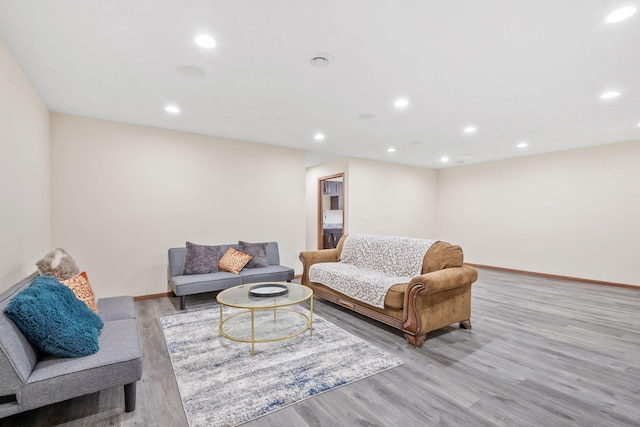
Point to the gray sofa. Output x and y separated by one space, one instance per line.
30 378
183 285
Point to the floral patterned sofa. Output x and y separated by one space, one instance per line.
415 285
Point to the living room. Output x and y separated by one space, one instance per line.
117 195
111 186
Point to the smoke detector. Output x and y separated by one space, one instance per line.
320 60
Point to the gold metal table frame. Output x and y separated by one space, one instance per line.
238 297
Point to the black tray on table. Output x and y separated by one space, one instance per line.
268 290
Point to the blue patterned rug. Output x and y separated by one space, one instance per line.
222 385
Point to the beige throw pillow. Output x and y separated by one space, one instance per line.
233 261
80 286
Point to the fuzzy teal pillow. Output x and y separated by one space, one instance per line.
54 320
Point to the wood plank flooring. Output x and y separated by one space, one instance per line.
542 352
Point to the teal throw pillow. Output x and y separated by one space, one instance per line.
53 319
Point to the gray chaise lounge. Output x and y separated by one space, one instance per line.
183 285
30 379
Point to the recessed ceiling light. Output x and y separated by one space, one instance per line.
206 41
610 95
470 130
523 145
172 109
318 137
444 159
620 14
401 103
391 150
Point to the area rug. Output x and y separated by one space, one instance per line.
221 384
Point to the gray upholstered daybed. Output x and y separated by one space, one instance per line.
269 270
30 378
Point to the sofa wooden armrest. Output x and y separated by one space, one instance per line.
444 280
433 299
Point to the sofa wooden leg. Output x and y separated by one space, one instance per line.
466 324
130 397
183 302
415 340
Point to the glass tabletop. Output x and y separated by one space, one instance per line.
238 296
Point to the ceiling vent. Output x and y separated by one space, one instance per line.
320 60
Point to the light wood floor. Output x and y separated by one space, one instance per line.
541 352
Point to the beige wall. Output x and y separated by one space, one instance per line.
380 198
25 228
392 199
573 213
124 194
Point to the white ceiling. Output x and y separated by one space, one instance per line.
517 70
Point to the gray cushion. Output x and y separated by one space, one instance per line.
118 362
273 254
116 308
258 251
272 273
201 259
197 283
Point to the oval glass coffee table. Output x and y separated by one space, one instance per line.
266 313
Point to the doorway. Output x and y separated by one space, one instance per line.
331 203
